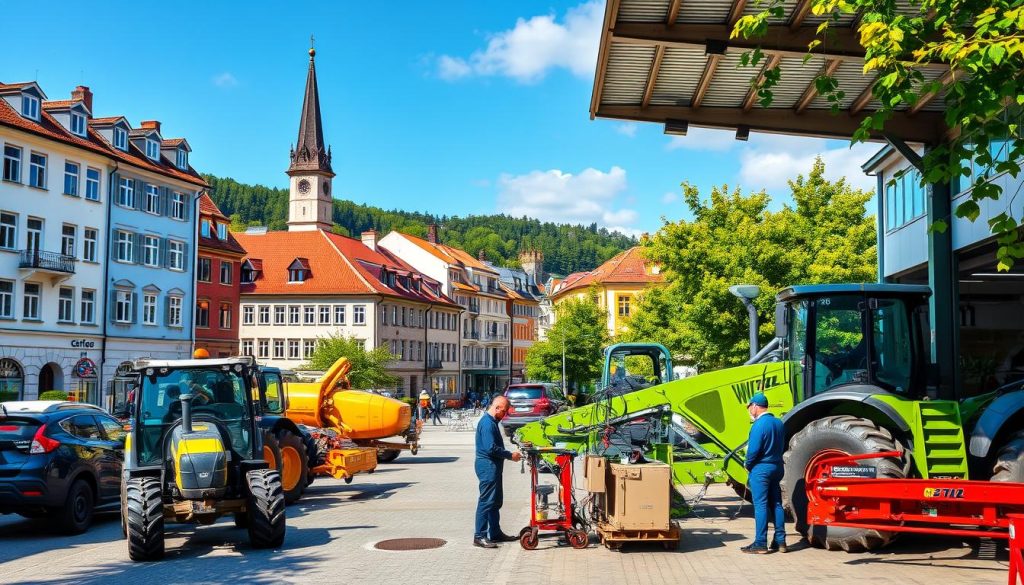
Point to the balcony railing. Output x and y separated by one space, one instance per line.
471 335
49 261
433 364
474 309
484 364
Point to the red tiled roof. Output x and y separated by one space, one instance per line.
171 141
47 127
628 267
209 209
106 120
54 104
450 254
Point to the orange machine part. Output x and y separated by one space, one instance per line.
327 403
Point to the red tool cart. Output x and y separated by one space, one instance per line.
552 506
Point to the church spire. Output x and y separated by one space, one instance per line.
310 153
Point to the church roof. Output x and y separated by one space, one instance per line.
310 152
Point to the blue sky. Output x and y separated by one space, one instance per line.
452 108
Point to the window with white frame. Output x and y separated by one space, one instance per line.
247 347
149 309
123 306
71 171
126 192
152 149
34 234
359 315
293 349
279 349
30 106
222 232
226 268
92 184
89 244
183 159
309 315
88 306
78 123
225 316
296 275
279 314
339 314
294 317
8 230
174 304
248 315
263 346
66 305
264 314
120 138
6 299
308 345
125 247
152 199
175 255
68 235
178 205
204 228
37 170
325 314
12 163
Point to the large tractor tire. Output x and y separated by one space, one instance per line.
294 467
1009 464
843 434
265 508
145 519
387 455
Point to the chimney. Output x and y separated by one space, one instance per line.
432 233
82 94
151 125
369 238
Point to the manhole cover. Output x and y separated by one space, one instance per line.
410 544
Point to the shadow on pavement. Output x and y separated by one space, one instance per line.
937 551
414 460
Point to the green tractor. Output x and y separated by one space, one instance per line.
194 454
848 372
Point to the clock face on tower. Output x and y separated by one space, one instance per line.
303 186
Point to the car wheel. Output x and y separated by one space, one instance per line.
76 514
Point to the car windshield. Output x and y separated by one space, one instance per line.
217 393
525 392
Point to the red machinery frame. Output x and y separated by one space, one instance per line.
562 525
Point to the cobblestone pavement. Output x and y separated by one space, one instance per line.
332 529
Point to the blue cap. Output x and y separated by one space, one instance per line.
759 399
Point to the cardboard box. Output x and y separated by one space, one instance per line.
595 474
638 496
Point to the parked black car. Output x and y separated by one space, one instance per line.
59 459
530 402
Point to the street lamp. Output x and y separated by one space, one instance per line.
747 293
565 385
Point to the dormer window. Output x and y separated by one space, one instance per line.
183 160
30 106
298 270
222 232
78 123
204 228
152 149
120 138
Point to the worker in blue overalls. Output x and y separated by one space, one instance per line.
764 462
490 457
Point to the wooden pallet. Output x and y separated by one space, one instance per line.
614 538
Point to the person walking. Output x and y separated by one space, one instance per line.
764 462
435 407
423 405
490 457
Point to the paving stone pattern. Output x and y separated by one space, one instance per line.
331 533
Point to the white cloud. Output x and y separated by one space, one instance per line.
636 233
703 139
588 197
772 160
669 197
627 129
225 80
534 46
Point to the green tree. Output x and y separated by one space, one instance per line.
824 236
981 43
369 368
580 325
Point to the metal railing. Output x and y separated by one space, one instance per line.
52 261
433 364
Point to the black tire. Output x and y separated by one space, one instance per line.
848 434
75 516
241 519
293 449
1009 464
387 455
265 508
145 519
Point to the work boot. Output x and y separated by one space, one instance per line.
504 538
778 547
753 549
484 543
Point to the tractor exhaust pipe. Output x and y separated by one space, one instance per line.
747 293
186 413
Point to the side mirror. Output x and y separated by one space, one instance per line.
782 320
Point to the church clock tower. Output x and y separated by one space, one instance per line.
310 205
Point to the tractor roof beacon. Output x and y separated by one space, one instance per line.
194 453
849 371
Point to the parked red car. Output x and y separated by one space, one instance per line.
531 402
